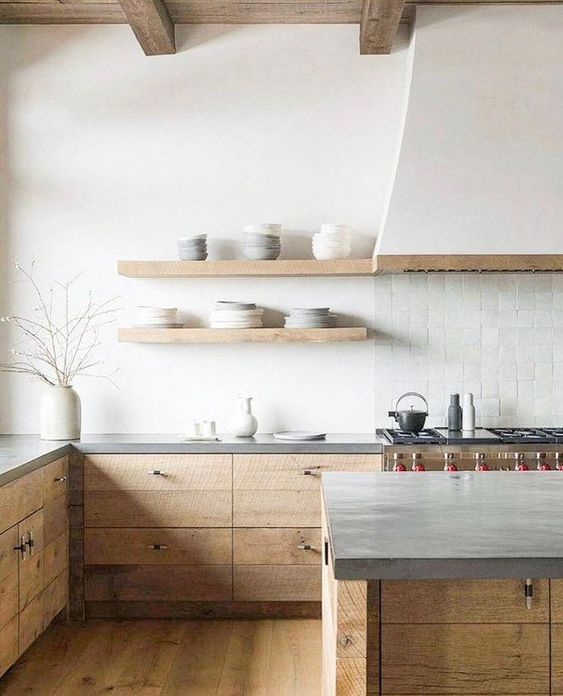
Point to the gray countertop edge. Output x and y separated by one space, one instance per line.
447 569
27 453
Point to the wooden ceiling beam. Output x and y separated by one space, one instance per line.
151 24
379 25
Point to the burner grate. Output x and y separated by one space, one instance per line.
522 436
428 436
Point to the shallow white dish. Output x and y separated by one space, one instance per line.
299 435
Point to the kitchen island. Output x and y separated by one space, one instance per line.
446 583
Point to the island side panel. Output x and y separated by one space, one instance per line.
350 631
557 637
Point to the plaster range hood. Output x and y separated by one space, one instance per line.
479 179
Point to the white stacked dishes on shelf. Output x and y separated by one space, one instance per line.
156 318
261 242
332 242
192 248
236 315
310 318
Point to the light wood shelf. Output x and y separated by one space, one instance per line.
244 269
279 335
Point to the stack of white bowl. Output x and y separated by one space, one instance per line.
310 318
192 247
156 318
261 242
236 315
332 242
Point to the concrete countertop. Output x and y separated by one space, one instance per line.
20 454
441 525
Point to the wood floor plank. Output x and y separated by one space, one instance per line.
125 659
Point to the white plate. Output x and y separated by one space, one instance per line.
299 435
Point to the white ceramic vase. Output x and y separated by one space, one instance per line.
60 414
241 422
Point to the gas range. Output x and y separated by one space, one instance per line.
501 449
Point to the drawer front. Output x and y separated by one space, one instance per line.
55 598
164 472
55 558
8 557
20 499
55 480
31 565
463 601
55 519
31 623
557 658
150 583
157 509
295 472
465 659
277 583
275 546
8 645
277 509
8 598
557 601
158 546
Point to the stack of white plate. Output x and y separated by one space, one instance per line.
332 242
236 315
193 247
156 318
310 318
261 242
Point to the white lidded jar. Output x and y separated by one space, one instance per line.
468 414
60 413
241 422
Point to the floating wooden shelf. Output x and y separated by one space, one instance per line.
243 269
136 335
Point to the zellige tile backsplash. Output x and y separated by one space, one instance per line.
499 336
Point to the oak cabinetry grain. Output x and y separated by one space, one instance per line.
276 508
31 561
55 597
30 623
9 652
158 546
284 583
557 601
277 546
19 498
8 576
55 480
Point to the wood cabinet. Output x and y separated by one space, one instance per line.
243 531
33 562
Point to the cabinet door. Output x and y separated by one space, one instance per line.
31 571
20 498
8 644
31 623
8 576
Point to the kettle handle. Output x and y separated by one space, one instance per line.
411 394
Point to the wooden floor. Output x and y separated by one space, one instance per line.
172 658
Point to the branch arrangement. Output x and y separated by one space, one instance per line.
58 344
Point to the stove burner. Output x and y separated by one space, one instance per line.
522 436
555 433
428 436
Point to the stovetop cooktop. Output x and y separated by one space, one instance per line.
480 436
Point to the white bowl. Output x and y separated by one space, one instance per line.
272 229
330 255
260 254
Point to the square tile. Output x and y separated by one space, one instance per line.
544 300
508 318
526 300
490 407
543 318
507 371
543 281
526 371
400 301
489 318
489 336
558 300
507 300
526 318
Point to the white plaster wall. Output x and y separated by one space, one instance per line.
481 164
106 154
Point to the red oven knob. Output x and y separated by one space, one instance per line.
481 466
522 466
450 466
417 466
480 462
399 467
541 458
520 463
544 467
449 463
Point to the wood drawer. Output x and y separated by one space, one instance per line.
275 546
150 583
55 519
465 659
557 601
55 480
463 601
8 598
31 623
295 472
277 509
8 557
20 498
281 583
178 472
177 546
157 509
31 566
55 598
55 558
8 645
557 658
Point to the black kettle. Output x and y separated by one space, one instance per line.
410 420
